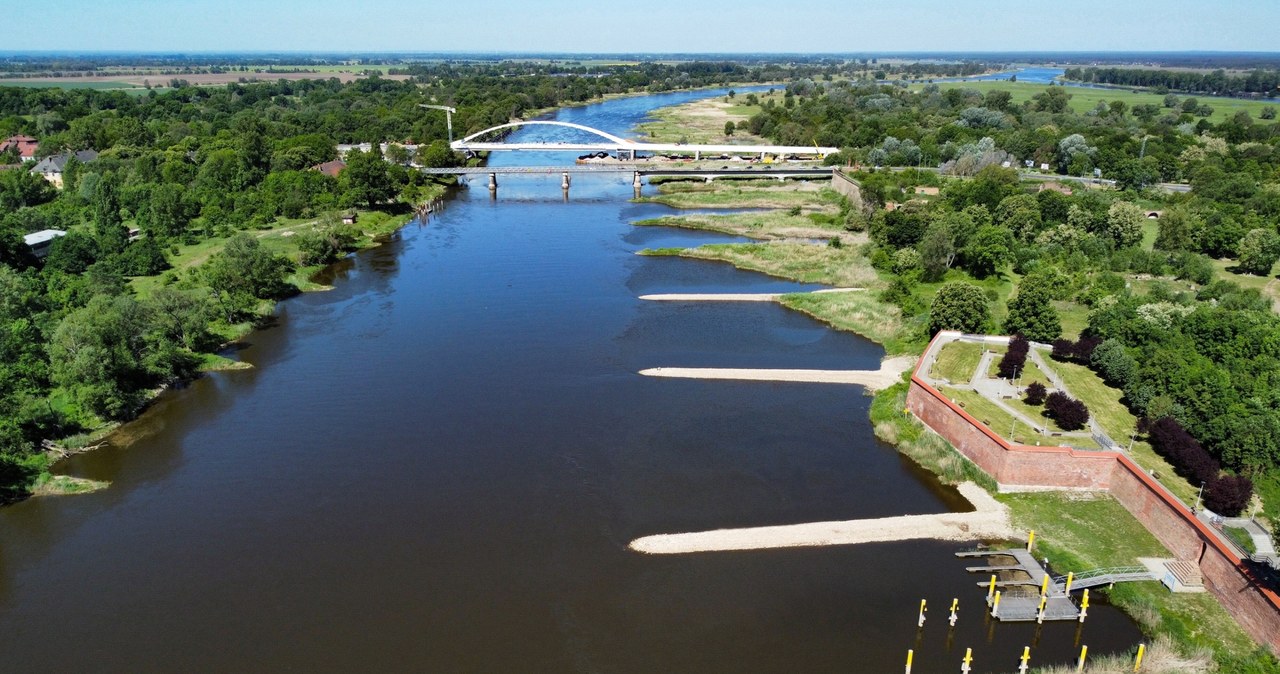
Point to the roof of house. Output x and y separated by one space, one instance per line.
26 145
330 168
43 236
58 162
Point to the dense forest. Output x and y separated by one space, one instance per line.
1217 82
88 334
1167 317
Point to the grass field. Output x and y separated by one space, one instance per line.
1085 99
1078 532
740 194
957 361
71 84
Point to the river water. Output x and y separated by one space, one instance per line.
437 466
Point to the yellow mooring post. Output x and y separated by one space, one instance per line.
1084 605
910 655
1044 585
920 623
968 658
1031 539
1137 663
1084 650
1026 655
1040 614
1071 575
955 604
991 589
995 606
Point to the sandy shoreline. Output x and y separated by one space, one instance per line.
890 373
990 521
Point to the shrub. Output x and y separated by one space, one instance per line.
1071 414
1228 494
1035 394
1063 349
1014 359
1190 460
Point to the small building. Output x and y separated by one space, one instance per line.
330 168
26 146
40 242
52 168
927 190
349 218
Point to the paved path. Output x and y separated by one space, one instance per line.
734 297
1095 429
990 521
890 373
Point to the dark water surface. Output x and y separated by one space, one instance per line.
437 467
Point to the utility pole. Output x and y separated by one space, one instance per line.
448 116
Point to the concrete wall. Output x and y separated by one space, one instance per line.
1255 607
846 186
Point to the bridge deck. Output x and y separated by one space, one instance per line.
771 171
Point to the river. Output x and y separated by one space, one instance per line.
437 466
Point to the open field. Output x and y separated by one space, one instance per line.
1085 99
135 81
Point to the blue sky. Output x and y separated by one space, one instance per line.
641 25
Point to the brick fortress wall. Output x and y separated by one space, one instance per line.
1018 467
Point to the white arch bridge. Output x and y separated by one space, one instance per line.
625 149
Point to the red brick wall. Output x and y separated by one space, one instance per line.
1257 609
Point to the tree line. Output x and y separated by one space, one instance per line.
1261 81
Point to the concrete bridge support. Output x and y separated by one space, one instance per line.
493 182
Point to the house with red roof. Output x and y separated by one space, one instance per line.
330 168
26 146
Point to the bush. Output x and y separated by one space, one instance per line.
1014 359
1190 460
1035 394
1071 414
1228 494
1063 350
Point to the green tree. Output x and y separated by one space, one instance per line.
183 317
1031 314
1259 250
243 273
990 248
1020 214
1124 224
325 242
20 189
1178 230
729 128
937 250
959 306
367 179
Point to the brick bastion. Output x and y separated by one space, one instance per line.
1018 467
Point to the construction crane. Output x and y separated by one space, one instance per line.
448 116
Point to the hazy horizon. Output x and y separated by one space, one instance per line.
654 27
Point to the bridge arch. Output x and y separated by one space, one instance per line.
607 136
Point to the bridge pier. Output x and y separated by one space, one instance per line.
564 180
493 183
635 184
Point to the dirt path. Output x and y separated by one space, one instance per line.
990 521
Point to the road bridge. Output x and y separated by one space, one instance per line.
625 148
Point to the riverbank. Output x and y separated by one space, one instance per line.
282 238
1076 531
